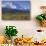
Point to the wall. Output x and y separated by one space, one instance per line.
27 28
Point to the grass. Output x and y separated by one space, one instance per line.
16 16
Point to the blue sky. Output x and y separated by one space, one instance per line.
21 5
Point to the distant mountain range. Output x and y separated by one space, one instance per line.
5 10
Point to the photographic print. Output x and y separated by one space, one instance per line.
16 10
